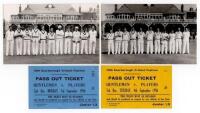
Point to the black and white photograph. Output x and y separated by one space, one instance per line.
148 34
51 33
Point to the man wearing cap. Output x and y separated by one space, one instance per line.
76 40
178 38
110 36
118 41
84 41
51 42
18 35
59 40
133 41
27 41
186 38
92 40
141 36
43 41
158 35
35 40
125 39
150 35
68 39
9 41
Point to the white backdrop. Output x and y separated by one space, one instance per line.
14 78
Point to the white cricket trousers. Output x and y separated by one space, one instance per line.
67 49
186 46
27 47
51 47
92 46
84 46
125 47
76 47
19 46
118 46
9 47
133 46
110 46
140 46
171 46
164 48
35 46
157 46
59 46
43 47
150 46
178 46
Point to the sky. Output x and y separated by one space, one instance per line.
10 9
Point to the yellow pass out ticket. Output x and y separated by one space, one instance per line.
136 86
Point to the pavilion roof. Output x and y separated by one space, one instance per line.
65 9
146 8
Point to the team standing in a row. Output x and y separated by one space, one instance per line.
40 40
157 42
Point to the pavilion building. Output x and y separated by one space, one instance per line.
163 16
52 15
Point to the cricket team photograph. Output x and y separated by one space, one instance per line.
51 34
127 34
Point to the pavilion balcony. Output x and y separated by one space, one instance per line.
40 21
18 20
123 19
81 21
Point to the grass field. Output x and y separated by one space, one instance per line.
149 58
53 59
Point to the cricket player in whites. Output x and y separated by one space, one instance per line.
110 36
76 41
18 37
141 36
118 41
27 41
186 38
35 40
51 42
43 41
158 35
68 40
133 41
84 40
150 35
178 38
59 40
172 42
9 41
92 40
164 43
125 39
